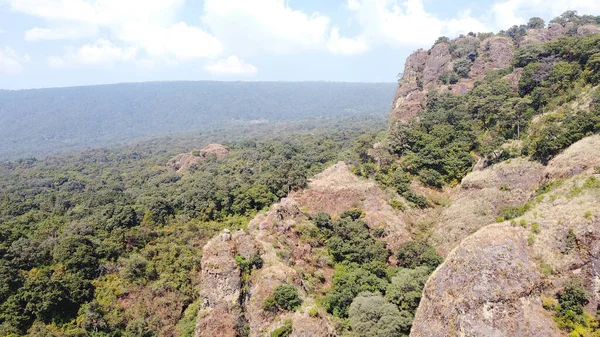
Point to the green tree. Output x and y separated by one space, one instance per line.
536 23
371 316
406 288
413 254
287 297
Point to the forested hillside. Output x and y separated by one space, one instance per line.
473 212
108 242
39 122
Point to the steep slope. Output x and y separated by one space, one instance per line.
455 65
492 284
288 257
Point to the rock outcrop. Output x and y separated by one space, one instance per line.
184 161
481 195
221 292
423 70
288 258
491 284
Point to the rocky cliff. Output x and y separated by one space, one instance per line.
230 303
454 65
493 283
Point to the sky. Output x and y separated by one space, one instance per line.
57 43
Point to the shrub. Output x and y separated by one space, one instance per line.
246 265
287 297
347 284
285 330
462 67
270 305
353 214
511 212
414 254
406 288
371 315
573 297
536 23
134 268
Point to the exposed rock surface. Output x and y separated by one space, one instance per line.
336 190
184 161
423 69
494 53
491 284
277 235
481 195
220 294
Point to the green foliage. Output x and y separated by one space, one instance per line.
287 297
270 305
135 268
406 288
511 212
569 313
100 116
413 254
536 23
81 232
246 265
370 315
352 241
349 283
462 66
283 331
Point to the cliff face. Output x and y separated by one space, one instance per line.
230 302
424 70
492 283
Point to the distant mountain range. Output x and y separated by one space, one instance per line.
47 121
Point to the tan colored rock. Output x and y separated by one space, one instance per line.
588 30
494 53
488 286
513 78
579 157
437 62
477 201
491 284
336 190
409 95
184 161
220 291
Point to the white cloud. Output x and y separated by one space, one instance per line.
402 23
101 52
230 66
265 25
177 42
11 62
346 46
145 25
36 34
514 12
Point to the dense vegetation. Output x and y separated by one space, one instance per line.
39 122
568 308
108 242
369 296
495 121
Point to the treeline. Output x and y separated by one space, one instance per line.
496 121
39 122
108 242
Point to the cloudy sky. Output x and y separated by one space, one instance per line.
49 43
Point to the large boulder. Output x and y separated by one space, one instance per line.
182 162
492 283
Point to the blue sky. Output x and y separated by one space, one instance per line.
50 43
